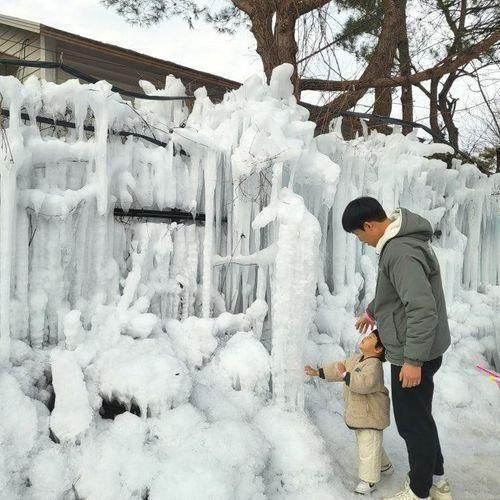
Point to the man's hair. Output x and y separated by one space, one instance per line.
379 344
361 210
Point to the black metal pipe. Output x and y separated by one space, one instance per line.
174 214
87 128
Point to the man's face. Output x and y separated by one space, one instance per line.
370 234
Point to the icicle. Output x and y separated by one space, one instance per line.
101 142
22 273
191 266
210 175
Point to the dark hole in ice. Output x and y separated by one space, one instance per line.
53 437
110 409
52 400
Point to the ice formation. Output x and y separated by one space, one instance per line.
204 328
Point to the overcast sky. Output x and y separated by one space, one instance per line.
231 56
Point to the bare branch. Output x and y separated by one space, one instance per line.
305 6
447 65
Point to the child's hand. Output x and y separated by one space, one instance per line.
341 369
312 372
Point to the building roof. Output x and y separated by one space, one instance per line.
22 24
193 77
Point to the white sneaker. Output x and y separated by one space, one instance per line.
387 470
364 488
406 494
441 490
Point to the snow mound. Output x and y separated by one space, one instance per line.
298 456
143 372
246 362
115 463
219 461
193 340
18 431
72 413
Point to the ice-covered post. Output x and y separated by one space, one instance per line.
11 148
8 208
293 287
7 214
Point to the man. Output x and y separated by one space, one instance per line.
410 312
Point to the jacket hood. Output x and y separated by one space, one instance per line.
415 226
405 223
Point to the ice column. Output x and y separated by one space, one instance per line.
293 288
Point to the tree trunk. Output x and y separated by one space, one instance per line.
433 112
447 110
405 68
383 56
273 26
382 107
284 36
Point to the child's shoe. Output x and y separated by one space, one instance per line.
441 490
364 488
387 470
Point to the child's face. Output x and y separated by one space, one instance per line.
368 343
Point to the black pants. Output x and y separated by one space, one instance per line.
413 415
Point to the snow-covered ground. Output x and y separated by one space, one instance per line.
201 331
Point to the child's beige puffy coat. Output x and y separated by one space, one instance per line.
367 404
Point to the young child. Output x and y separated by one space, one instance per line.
366 407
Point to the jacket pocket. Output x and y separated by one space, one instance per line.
358 406
399 325
388 331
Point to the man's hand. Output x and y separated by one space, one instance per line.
364 323
312 372
341 369
410 376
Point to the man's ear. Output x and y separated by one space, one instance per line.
367 226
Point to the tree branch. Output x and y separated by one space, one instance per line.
448 65
449 20
247 6
305 6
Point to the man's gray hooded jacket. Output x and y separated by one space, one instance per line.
409 304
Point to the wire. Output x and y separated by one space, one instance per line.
388 119
87 128
90 79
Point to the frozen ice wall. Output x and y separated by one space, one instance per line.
64 251
191 324
462 205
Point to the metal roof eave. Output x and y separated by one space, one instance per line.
22 24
